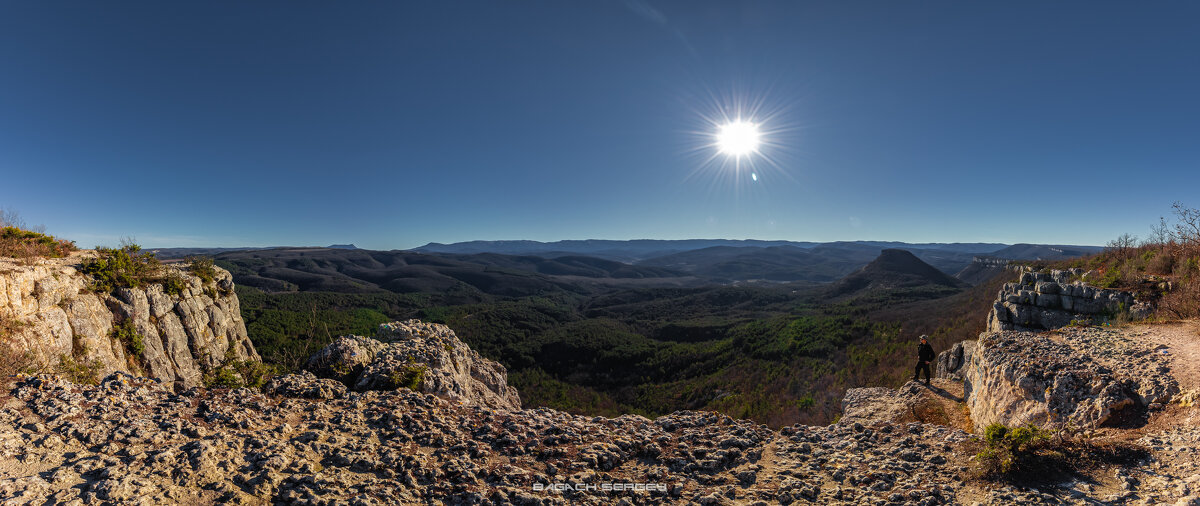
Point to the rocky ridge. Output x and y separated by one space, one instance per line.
183 334
1049 300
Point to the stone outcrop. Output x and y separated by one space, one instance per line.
427 357
1049 300
183 334
1082 377
950 363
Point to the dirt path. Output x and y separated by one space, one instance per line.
1182 341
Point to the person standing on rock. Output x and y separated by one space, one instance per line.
925 355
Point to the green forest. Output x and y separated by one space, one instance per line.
778 354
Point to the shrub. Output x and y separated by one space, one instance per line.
410 376
234 373
222 377
18 243
203 268
1030 455
124 267
173 283
79 370
13 359
1007 451
127 334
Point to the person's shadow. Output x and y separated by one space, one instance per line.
943 393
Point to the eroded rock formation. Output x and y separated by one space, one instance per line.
1049 300
426 357
1078 376
61 319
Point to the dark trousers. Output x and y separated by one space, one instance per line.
922 366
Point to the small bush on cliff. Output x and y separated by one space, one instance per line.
124 267
128 335
234 373
203 268
173 283
13 357
79 370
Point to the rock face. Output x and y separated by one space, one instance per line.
426 357
950 363
1049 300
1084 377
182 335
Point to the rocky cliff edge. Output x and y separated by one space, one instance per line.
60 321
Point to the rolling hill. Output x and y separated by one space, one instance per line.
895 269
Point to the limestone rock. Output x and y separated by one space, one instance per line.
950 362
1080 377
182 334
305 385
424 356
344 359
1050 300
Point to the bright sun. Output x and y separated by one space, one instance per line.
738 138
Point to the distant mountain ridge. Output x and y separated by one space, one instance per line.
636 250
597 265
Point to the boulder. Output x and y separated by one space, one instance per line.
420 356
950 362
1016 378
1050 300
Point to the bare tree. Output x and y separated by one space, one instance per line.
1187 229
9 217
1159 234
1123 245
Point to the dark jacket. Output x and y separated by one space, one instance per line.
925 353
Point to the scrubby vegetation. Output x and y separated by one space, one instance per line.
130 267
234 373
78 369
18 240
13 357
1031 455
410 376
26 244
202 267
124 267
1164 268
128 335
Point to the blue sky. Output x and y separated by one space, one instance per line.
393 124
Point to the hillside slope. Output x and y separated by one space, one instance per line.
894 269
